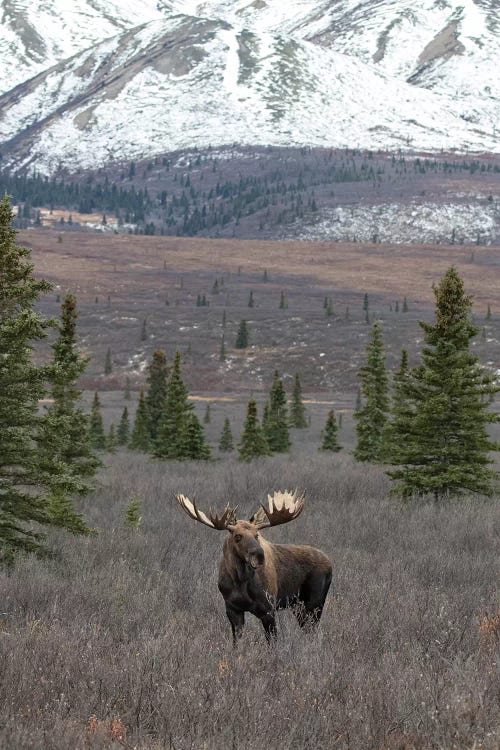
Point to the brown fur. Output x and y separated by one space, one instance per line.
259 577
285 575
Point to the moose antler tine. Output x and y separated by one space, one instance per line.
227 517
193 512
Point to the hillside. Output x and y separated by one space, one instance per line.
380 75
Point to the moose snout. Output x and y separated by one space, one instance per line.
256 557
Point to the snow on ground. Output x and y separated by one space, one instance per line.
413 223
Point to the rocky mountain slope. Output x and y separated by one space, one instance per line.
132 80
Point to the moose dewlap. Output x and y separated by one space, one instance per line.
259 577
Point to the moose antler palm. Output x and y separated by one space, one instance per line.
227 518
283 507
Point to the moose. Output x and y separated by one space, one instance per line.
259 577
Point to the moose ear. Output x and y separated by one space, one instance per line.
230 527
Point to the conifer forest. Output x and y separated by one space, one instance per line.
176 358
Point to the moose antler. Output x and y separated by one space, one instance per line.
212 520
283 507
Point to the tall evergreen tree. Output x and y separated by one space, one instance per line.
111 439
226 439
64 446
97 436
140 440
222 351
371 418
397 427
169 443
193 445
156 395
123 431
276 430
242 336
446 447
22 500
329 441
253 442
297 409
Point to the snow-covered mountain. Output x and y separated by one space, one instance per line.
133 79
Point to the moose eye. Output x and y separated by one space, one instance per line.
237 538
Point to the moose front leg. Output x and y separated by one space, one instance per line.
269 623
237 619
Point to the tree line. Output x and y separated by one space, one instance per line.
199 201
165 425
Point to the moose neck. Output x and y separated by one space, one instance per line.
239 570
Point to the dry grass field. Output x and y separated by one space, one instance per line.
121 639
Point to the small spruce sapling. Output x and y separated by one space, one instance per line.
133 518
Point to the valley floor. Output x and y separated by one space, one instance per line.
121 639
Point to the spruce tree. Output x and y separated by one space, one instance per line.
297 409
140 439
226 439
222 351
207 415
108 364
169 442
22 499
396 432
127 393
445 451
371 418
97 436
123 431
192 443
251 302
253 442
329 440
111 439
64 445
276 429
156 394
133 518
242 336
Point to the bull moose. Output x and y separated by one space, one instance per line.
259 577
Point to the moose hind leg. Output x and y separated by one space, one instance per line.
237 620
312 600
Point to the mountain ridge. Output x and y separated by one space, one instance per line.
219 72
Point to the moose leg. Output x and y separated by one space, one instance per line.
312 600
237 619
269 623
